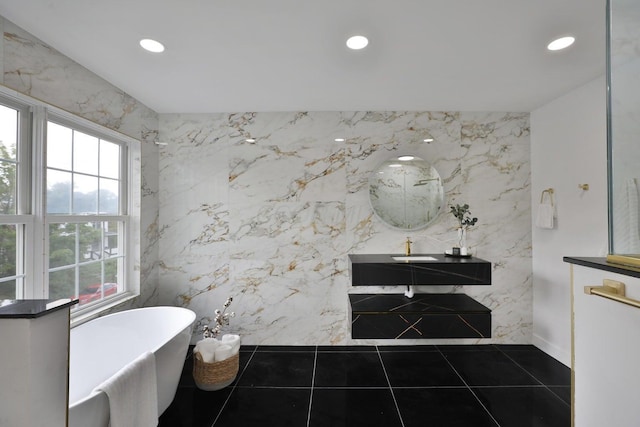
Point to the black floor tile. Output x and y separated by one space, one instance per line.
488 368
346 348
278 369
355 369
193 407
256 407
466 348
410 348
349 388
525 406
419 369
450 407
564 392
286 348
353 408
539 364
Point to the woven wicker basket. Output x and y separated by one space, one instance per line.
216 375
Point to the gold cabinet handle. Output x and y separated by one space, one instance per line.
613 290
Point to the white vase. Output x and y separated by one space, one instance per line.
462 240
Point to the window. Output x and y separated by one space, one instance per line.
65 219
85 209
14 159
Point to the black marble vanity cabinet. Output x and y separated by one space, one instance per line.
382 269
395 316
426 315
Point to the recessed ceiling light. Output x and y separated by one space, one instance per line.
405 158
152 45
357 42
561 43
428 140
339 140
250 140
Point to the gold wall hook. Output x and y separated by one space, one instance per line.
583 187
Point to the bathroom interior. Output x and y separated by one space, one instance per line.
269 202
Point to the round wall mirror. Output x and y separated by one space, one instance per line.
406 192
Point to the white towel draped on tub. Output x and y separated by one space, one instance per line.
133 394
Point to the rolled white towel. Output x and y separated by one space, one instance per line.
207 348
232 341
223 352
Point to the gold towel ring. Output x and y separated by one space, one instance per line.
548 190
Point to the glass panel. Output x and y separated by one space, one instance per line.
85 153
62 283
91 241
109 160
111 271
59 146
8 132
8 143
109 189
8 251
623 127
90 282
111 246
85 194
58 192
62 245
7 187
8 290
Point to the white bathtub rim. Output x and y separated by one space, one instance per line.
190 313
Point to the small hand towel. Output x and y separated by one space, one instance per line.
544 219
133 394
223 352
207 349
233 341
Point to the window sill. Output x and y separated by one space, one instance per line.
83 315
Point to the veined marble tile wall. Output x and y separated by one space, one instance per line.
271 222
35 69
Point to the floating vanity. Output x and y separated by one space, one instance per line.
426 315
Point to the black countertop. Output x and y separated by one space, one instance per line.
382 269
32 308
600 263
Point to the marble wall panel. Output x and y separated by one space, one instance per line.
295 203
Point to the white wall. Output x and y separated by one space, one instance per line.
568 147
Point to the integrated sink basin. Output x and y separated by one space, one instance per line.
415 258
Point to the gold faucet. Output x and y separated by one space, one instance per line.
407 247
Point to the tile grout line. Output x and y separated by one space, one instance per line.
468 387
313 381
393 396
234 387
532 376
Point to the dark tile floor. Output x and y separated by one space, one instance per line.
405 386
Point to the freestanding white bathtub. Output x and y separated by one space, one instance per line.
103 346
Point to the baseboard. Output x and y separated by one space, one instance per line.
562 356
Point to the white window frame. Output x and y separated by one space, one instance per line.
31 201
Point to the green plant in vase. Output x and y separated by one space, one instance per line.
465 220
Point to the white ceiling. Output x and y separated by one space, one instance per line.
289 55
